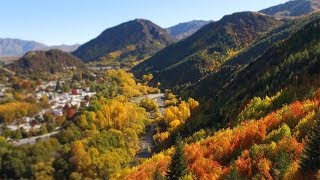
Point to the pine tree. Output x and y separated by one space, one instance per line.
58 86
178 167
310 160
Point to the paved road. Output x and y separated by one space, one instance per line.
33 140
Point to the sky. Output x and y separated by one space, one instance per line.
56 22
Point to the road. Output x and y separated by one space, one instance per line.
33 140
146 141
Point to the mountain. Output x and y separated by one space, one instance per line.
51 61
291 65
193 58
264 114
293 8
183 30
17 47
131 41
278 34
63 47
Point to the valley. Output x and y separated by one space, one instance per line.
231 98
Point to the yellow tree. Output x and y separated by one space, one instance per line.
80 158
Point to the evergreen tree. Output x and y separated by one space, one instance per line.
58 86
310 160
179 166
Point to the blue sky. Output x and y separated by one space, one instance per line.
77 21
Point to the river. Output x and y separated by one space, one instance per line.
146 140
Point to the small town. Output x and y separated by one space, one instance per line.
59 104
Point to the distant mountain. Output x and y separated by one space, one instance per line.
205 51
131 41
183 30
293 8
64 47
51 61
17 47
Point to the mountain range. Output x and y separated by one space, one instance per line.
17 47
290 63
205 51
183 30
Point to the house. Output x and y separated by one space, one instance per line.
57 112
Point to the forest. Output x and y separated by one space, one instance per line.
236 99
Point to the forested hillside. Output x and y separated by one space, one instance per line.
128 42
293 8
291 65
52 61
205 51
267 115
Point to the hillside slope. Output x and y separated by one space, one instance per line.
293 8
51 61
270 111
131 41
292 64
278 34
191 59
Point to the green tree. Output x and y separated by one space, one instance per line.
178 167
310 160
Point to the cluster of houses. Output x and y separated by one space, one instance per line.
103 68
58 100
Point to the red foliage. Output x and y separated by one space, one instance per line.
66 106
211 158
74 92
296 109
38 83
25 84
244 164
317 95
148 169
70 113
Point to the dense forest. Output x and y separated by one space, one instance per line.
237 99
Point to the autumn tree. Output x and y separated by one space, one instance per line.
44 101
70 113
149 104
158 176
146 78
